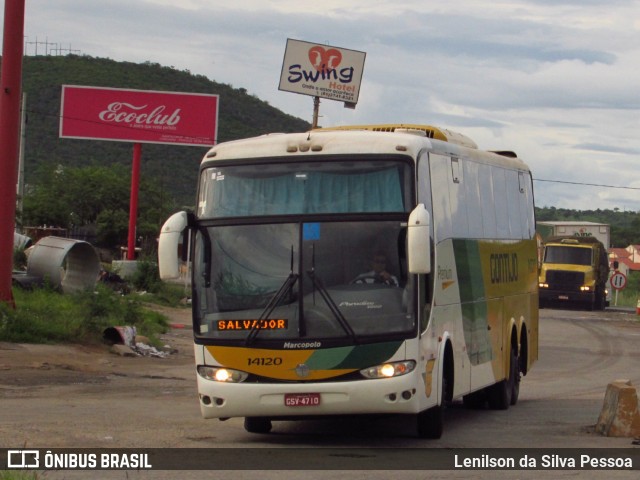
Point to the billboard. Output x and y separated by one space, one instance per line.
322 71
139 116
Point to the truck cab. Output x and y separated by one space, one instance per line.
574 270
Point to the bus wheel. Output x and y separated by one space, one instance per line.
257 425
431 422
515 374
475 400
500 395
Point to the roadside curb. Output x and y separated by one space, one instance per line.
621 309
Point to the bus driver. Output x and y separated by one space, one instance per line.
378 272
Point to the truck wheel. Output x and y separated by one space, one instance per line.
602 299
257 425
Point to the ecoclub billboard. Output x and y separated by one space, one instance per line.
139 116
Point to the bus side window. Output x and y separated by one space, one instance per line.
474 204
485 185
513 204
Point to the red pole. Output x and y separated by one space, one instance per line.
133 204
10 93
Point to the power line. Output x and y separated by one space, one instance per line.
49 47
586 184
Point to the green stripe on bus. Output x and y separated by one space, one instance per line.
469 267
372 354
359 356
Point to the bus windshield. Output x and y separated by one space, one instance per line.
297 281
334 187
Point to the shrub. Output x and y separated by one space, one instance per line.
47 316
147 277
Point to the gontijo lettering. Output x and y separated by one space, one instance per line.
504 267
249 324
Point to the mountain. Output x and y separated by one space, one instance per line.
240 115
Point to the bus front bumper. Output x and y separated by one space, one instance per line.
372 396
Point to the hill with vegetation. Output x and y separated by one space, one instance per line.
240 115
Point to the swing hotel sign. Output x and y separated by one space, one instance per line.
322 71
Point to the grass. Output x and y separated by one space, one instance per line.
626 298
44 315
629 296
47 316
6 475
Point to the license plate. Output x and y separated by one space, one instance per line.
563 297
301 399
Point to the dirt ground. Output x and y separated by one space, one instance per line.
83 396
22 365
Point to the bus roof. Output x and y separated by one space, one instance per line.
427 130
393 139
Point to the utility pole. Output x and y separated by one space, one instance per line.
10 95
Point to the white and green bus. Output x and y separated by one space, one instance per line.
284 231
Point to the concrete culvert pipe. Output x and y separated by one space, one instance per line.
71 265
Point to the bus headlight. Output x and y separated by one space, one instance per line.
585 288
543 285
388 370
219 374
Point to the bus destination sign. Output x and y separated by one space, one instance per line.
250 324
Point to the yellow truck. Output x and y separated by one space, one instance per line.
574 270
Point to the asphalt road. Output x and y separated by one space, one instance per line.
80 397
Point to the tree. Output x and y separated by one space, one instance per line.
96 196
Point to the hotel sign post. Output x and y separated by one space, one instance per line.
322 71
138 116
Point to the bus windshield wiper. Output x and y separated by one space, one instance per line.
317 283
284 289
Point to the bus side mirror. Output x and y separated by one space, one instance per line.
419 241
170 236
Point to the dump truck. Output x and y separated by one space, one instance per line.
574 270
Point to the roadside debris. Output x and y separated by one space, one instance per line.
124 342
114 281
149 351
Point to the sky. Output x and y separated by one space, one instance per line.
556 81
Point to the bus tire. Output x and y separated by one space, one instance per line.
515 373
500 395
257 424
430 423
475 401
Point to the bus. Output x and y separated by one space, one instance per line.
285 228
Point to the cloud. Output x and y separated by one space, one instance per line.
555 81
